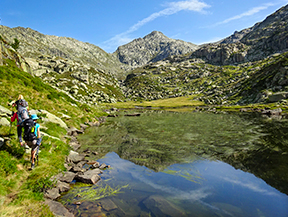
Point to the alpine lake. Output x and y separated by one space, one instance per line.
186 164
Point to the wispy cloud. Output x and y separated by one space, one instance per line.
170 9
252 186
246 14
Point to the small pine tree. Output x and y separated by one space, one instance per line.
16 43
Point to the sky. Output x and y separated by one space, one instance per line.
111 23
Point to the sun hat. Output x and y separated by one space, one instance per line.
34 117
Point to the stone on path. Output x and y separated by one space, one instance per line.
58 209
66 177
52 194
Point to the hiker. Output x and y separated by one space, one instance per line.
32 137
21 115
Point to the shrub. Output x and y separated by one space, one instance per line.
16 44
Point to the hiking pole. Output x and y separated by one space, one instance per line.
36 155
11 123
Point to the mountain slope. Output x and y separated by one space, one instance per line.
255 43
34 44
153 47
83 71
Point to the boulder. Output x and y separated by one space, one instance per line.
58 209
83 126
74 145
103 166
50 117
5 111
74 131
66 177
90 176
75 157
62 186
52 194
4 122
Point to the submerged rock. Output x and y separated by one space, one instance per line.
108 205
159 206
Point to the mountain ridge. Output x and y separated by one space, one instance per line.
152 48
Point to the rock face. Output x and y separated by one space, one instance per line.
153 47
251 44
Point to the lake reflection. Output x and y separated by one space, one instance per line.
184 165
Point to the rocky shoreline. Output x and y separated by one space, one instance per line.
74 163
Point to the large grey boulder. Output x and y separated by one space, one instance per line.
90 176
49 117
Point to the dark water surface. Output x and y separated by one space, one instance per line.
187 164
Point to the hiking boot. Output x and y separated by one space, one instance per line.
32 166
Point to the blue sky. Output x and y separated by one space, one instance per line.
111 23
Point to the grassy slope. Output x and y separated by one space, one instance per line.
20 189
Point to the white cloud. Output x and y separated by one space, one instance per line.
171 8
245 14
252 187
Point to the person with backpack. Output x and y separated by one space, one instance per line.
32 136
21 115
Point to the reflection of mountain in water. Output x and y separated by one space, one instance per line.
269 162
158 140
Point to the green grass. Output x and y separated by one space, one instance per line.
161 103
21 190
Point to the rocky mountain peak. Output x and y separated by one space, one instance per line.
151 48
155 35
